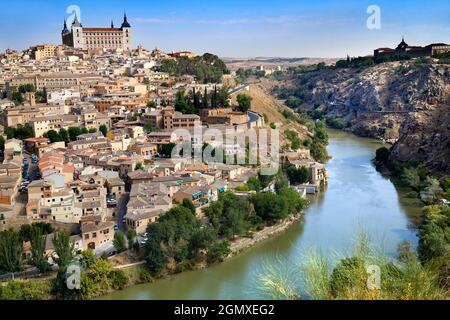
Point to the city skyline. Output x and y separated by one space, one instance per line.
238 29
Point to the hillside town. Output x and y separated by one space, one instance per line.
87 133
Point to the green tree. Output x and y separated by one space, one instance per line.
269 207
88 258
218 251
166 149
131 236
433 187
63 248
411 177
205 104
64 135
120 242
297 176
103 129
11 251
152 104
53 136
254 184
244 101
38 240
293 200
382 155
139 166
186 203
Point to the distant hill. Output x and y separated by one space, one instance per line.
234 63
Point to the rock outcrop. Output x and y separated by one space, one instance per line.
406 104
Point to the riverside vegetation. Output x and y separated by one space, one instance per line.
403 278
178 242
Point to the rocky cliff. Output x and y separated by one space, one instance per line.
404 103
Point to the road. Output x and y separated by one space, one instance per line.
238 89
122 211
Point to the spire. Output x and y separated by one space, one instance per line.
75 22
112 24
65 29
125 23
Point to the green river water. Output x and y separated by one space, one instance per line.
358 199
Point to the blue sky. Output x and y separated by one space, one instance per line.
245 28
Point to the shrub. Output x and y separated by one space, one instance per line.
26 290
119 280
382 155
144 276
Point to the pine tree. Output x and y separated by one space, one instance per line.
205 99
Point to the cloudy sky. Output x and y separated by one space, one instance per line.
244 28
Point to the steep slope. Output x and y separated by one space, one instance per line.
405 103
266 104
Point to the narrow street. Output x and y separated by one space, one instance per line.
122 211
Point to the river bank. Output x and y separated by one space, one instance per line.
358 198
242 244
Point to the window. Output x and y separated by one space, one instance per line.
86 236
94 235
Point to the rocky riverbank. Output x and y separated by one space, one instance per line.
405 103
242 244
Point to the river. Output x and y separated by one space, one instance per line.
357 199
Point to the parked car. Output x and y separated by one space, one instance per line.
116 227
112 253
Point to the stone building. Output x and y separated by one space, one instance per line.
404 50
111 38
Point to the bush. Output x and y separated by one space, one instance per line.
337 123
144 276
382 155
119 280
218 251
26 290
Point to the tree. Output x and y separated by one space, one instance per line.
152 104
433 187
205 104
26 230
281 181
166 149
74 132
38 240
411 177
297 176
254 184
382 155
169 238
63 248
186 203
202 239
244 101
218 251
228 215
269 207
11 251
104 130
183 103
120 242
293 200
64 135
88 258
2 143
131 236
139 166
53 136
